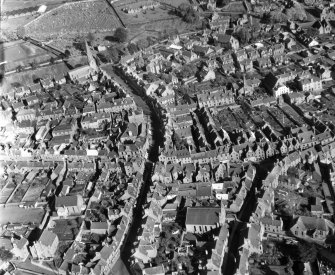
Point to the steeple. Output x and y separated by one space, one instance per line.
222 217
91 60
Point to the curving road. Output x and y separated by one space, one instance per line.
146 104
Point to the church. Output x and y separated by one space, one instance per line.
81 74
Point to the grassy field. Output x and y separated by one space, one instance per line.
22 53
74 18
152 22
10 5
21 215
9 27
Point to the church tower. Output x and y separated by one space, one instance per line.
91 60
222 217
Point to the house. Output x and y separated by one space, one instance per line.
289 182
278 91
99 227
228 68
228 41
203 219
294 98
26 114
323 27
278 49
263 63
201 51
20 248
272 227
220 23
206 74
69 205
188 56
240 55
217 98
313 227
312 84
253 242
46 246
220 249
252 53
246 65
156 270
145 251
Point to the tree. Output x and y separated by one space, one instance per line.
266 19
296 12
142 43
67 53
19 68
307 252
150 77
90 38
188 70
243 35
33 64
188 13
113 54
183 8
222 3
132 48
278 17
5 255
191 16
121 34
52 60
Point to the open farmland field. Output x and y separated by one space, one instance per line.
22 53
9 27
74 18
10 5
151 23
25 78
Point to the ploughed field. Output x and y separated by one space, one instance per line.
73 18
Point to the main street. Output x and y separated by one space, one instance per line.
236 233
146 104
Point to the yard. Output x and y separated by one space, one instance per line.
25 78
66 229
21 215
33 193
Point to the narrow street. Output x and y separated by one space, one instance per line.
236 234
157 140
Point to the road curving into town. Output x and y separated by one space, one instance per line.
157 138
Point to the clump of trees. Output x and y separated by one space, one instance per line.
121 34
179 142
243 35
188 70
109 55
5 255
295 11
188 14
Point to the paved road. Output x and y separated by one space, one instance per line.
236 234
157 136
